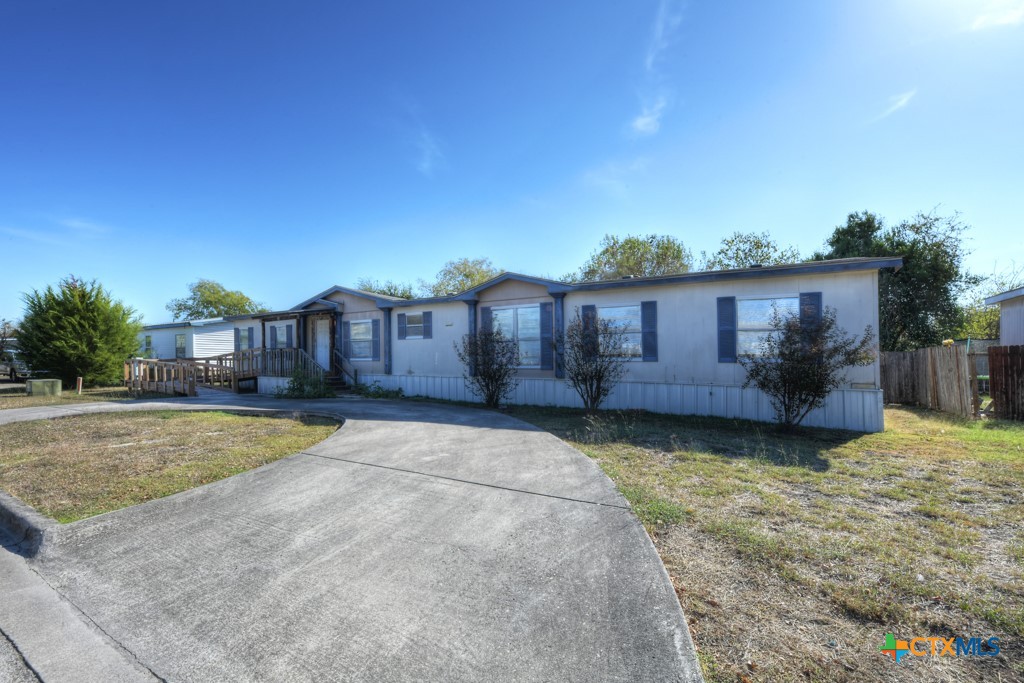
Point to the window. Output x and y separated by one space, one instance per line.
754 320
521 323
179 346
279 333
147 346
244 341
414 326
361 340
627 319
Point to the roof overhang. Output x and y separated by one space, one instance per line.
1004 296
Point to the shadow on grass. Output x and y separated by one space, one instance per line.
723 437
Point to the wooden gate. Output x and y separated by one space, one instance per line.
1006 378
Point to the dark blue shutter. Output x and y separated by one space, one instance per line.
288 336
346 339
547 337
726 329
375 325
273 336
486 321
252 337
810 309
238 339
401 326
428 325
649 330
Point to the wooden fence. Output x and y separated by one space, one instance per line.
940 378
1006 377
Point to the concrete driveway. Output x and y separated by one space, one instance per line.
421 542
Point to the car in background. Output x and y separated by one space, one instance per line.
13 368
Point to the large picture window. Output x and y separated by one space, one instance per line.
521 323
754 320
627 319
361 339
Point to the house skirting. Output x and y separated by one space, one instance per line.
858 410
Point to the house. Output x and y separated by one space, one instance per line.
194 339
1011 316
685 334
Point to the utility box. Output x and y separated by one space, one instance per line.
43 387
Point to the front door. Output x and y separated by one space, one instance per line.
322 342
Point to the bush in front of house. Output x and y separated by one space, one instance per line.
301 385
78 330
594 358
801 364
491 360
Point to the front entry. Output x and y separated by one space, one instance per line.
322 342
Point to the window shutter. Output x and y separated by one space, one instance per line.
273 336
238 340
346 339
810 309
547 337
428 325
288 336
375 326
486 321
252 337
726 329
588 314
649 330
401 326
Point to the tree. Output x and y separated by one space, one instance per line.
460 275
209 299
799 366
634 256
389 288
78 330
7 330
491 361
918 304
742 250
979 321
593 355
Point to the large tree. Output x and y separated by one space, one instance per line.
210 299
402 290
918 304
745 249
634 256
78 330
459 275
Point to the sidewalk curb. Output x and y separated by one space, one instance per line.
28 527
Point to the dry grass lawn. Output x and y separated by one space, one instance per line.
14 396
76 467
793 556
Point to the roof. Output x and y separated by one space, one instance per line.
380 298
1004 296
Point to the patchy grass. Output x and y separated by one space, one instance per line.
794 555
75 467
14 396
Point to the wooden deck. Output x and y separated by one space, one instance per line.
182 377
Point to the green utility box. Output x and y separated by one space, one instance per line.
43 387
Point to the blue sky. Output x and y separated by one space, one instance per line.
281 148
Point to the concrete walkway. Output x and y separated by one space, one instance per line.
420 542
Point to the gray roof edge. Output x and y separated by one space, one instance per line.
1004 296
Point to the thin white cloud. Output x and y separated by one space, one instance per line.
34 236
430 155
667 21
84 226
897 102
614 178
648 121
1002 17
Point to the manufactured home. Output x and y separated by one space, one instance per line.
684 333
194 339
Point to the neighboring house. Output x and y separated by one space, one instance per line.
199 338
685 332
1011 316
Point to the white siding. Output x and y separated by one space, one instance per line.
854 409
213 340
163 341
1011 322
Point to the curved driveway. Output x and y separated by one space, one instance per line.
420 542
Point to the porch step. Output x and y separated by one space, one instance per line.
338 385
